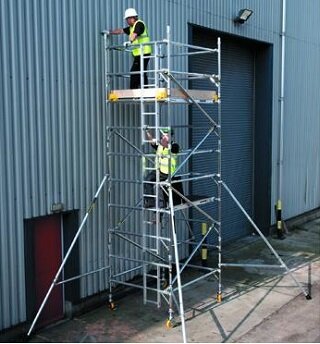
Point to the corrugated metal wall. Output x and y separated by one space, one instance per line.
51 108
301 160
52 129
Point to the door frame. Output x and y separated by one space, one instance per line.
262 126
30 268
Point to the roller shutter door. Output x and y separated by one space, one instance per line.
237 128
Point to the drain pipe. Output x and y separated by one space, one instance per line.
280 164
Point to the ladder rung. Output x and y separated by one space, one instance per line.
151 301
149 113
145 87
150 222
150 168
152 276
153 250
149 127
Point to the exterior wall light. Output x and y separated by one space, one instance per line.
243 16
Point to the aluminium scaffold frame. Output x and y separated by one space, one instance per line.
160 240
160 248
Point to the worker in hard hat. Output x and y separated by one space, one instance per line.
138 34
166 162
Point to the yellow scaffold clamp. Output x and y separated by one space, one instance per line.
161 94
215 98
113 97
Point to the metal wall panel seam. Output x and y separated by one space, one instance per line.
67 182
63 113
49 99
20 167
10 181
5 214
99 146
88 177
31 107
3 209
24 112
45 96
91 162
53 105
17 255
74 202
37 115
88 234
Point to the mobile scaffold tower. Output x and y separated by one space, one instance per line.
160 242
165 242
162 234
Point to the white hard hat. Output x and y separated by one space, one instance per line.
130 12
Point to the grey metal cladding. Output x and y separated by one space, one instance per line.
52 112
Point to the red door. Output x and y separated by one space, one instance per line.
47 258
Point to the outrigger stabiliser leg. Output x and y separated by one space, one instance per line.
282 264
54 282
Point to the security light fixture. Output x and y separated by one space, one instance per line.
243 16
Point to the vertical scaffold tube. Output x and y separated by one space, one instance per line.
219 185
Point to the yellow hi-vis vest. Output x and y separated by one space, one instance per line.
163 157
143 38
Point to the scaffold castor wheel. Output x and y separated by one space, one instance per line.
308 297
112 306
219 297
170 324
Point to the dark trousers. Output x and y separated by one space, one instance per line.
149 188
135 78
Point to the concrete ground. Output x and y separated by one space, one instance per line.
258 305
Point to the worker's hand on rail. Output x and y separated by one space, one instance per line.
118 31
126 44
132 37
